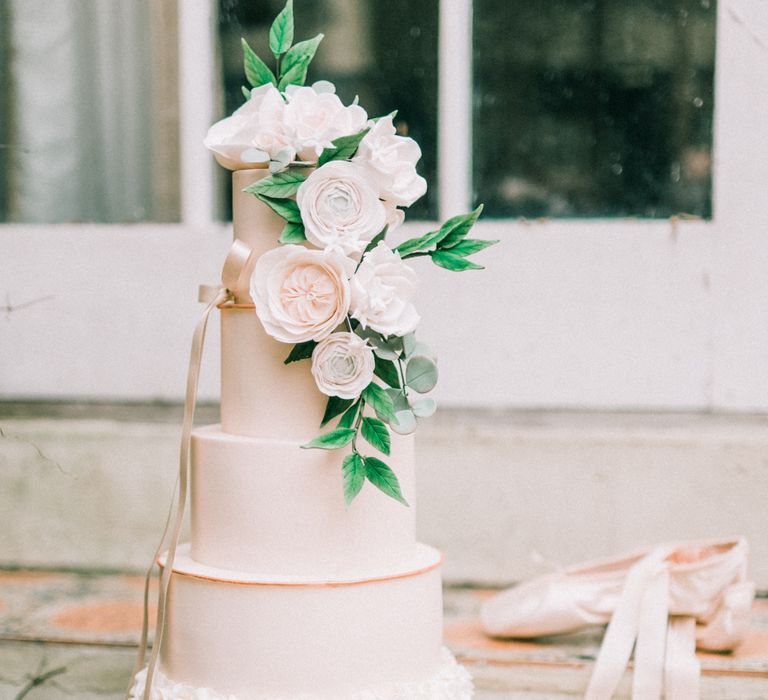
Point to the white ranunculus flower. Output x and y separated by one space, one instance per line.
342 365
382 290
258 124
301 294
391 160
339 208
317 116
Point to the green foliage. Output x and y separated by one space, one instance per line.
376 433
300 351
279 186
246 92
421 243
293 233
335 407
421 374
256 71
456 263
301 53
379 400
471 246
281 31
348 419
331 441
353 471
457 227
375 241
404 422
424 408
386 370
286 208
343 148
382 477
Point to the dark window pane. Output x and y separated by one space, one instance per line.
385 52
593 107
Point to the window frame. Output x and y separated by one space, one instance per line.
592 313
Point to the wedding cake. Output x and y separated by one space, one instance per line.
303 577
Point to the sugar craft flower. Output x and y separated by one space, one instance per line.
382 290
301 294
342 365
339 208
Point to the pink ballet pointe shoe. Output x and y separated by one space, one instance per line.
662 602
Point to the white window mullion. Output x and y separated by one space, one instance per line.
454 107
196 95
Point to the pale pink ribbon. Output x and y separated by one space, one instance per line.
665 647
233 283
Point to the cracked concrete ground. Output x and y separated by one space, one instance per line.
73 635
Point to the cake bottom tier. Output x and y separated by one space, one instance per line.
242 636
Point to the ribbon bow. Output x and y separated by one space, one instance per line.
234 283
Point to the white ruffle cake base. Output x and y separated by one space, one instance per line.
451 682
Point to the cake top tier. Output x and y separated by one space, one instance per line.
320 190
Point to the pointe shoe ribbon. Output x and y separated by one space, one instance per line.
233 282
663 601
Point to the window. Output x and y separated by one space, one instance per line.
88 111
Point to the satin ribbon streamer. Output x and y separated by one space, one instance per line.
233 284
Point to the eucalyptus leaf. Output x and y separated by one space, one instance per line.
386 370
456 228
424 349
404 422
353 471
343 148
399 400
385 353
421 374
471 246
376 433
256 71
254 155
383 478
424 408
348 419
331 441
409 344
293 233
335 407
301 52
300 351
379 401
281 31
279 186
286 208
455 263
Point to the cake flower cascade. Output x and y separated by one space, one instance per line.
335 287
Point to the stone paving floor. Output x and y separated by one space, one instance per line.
73 635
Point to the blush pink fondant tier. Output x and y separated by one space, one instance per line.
268 506
253 638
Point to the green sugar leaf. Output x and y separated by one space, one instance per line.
421 374
281 31
379 400
378 238
414 245
470 246
256 71
295 75
280 185
386 370
301 53
344 147
382 477
404 422
292 233
246 92
286 208
446 259
335 407
424 408
353 471
376 434
300 351
331 441
348 419
456 228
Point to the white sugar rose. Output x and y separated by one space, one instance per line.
342 365
391 160
258 124
382 290
301 294
315 116
339 208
